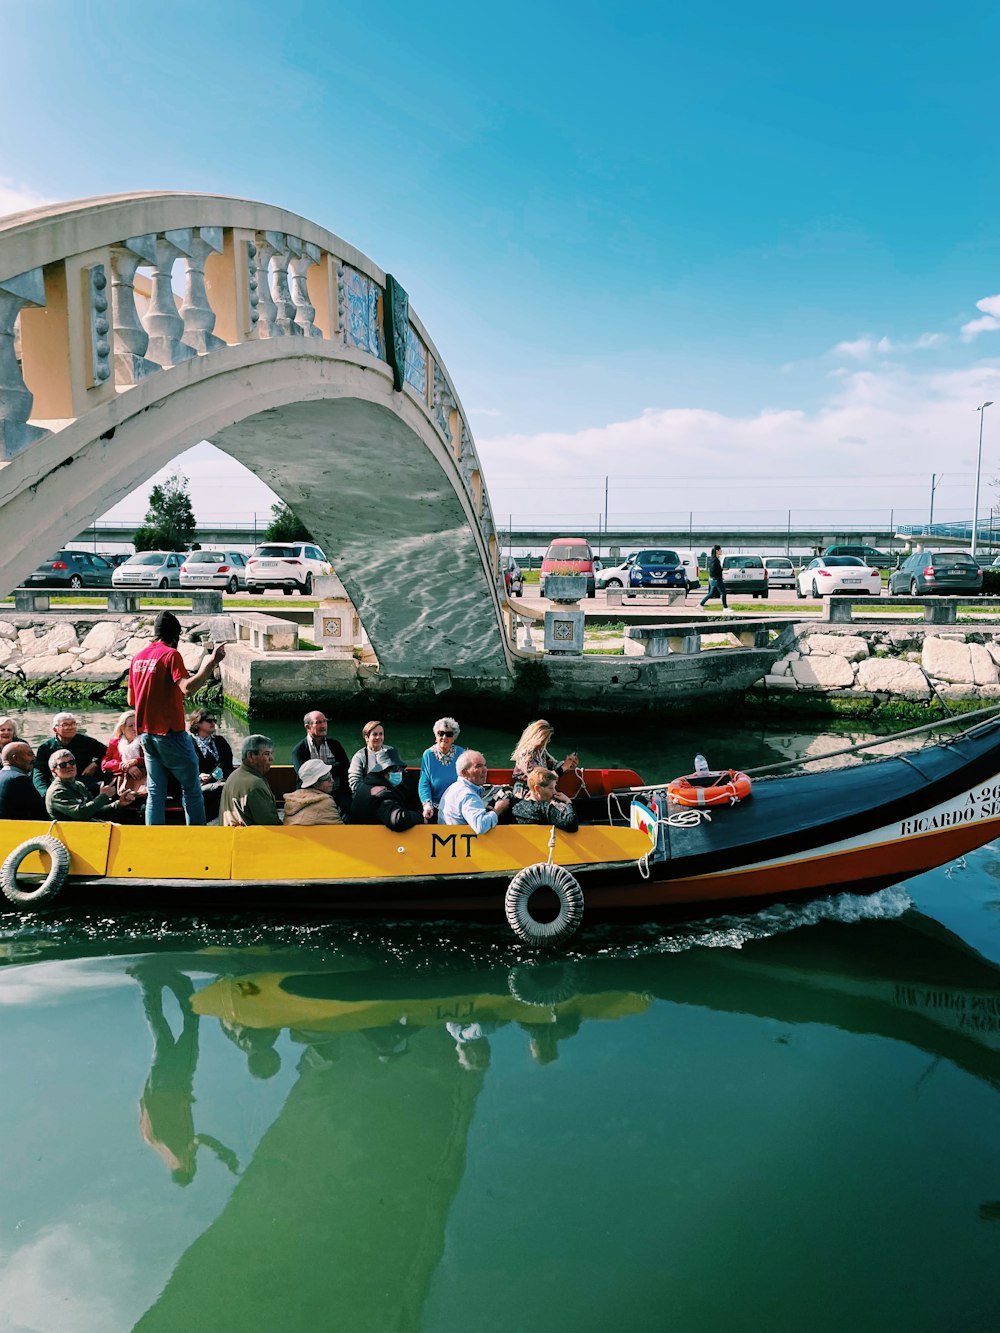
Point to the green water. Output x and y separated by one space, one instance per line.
785 1120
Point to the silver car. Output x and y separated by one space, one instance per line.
214 569
149 569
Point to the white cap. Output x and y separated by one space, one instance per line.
313 771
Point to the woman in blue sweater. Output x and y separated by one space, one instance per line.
437 767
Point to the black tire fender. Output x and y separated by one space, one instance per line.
58 854
517 904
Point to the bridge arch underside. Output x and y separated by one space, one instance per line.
362 467
391 522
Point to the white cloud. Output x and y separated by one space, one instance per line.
865 346
859 348
15 197
868 450
990 306
977 326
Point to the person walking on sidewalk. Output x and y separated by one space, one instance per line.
158 683
716 587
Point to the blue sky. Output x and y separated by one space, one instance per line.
725 255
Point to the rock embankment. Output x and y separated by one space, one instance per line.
905 663
87 657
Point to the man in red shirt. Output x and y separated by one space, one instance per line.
158 683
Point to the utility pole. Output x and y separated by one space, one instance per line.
981 409
605 504
935 483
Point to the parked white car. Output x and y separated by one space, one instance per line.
286 565
149 569
829 574
214 569
780 571
614 576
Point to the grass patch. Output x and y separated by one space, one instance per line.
604 652
307 645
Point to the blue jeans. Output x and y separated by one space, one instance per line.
715 589
173 753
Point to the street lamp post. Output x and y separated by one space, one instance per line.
979 467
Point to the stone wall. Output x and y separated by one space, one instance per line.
900 663
86 655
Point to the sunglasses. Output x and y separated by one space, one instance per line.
446 733
69 763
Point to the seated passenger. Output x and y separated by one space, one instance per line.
313 802
545 805
318 744
87 752
247 798
18 798
463 801
531 751
124 758
437 766
376 777
68 799
8 732
215 759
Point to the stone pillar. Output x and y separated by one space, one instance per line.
162 321
298 277
268 244
283 303
336 625
196 311
130 338
27 289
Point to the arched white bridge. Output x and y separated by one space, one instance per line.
290 351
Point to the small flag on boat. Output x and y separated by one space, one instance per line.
642 817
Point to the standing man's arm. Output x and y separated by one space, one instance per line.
192 684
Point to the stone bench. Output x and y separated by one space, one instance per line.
937 610
616 596
266 634
204 601
670 640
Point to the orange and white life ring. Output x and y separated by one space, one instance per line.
702 789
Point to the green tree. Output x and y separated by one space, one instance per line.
170 523
285 526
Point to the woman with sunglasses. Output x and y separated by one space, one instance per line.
437 766
215 758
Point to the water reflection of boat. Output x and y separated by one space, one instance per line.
345 1203
856 829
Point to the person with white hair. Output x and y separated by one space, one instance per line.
87 752
463 801
438 766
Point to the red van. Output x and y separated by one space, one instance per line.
569 555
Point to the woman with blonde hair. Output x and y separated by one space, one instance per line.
531 751
124 758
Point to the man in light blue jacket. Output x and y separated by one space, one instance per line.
463 801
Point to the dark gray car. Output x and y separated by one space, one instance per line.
925 572
71 569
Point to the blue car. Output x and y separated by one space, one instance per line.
657 568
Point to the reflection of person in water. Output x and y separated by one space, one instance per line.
166 1117
472 1045
263 1061
543 1041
